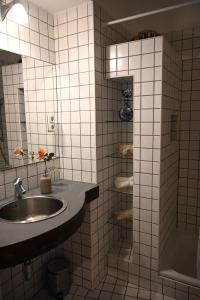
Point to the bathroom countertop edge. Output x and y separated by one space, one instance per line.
75 193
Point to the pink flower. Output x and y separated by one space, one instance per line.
41 153
18 151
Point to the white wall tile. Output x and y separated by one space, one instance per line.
122 50
135 48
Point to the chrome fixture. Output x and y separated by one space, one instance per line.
19 12
19 189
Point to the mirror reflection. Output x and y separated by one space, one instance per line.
27 107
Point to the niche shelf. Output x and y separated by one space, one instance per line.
120 218
127 191
116 155
121 223
118 121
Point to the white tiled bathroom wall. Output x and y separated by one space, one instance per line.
40 103
36 40
74 44
74 38
81 89
109 133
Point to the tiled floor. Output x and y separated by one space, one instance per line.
110 289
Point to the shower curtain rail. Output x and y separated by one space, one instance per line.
150 13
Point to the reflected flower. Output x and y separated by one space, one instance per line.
18 151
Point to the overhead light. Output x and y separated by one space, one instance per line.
19 12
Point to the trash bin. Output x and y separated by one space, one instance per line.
58 277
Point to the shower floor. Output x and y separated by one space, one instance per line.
180 258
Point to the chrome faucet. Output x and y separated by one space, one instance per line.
19 189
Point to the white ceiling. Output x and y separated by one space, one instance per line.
169 21
56 5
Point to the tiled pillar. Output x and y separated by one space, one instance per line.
143 61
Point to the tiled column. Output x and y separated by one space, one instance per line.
143 61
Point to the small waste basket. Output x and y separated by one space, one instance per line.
58 277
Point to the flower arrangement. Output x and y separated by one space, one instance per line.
19 151
40 154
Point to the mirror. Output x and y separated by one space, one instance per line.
28 107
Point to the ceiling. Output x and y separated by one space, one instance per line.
181 18
56 5
165 22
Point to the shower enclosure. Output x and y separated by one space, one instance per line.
180 258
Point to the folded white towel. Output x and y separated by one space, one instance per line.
125 149
123 182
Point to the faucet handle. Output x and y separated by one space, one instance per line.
19 189
17 181
23 191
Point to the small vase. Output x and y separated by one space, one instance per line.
45 184
126 111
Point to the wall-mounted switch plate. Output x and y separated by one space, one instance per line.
51 123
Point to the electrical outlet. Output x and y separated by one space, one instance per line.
51 123
51 127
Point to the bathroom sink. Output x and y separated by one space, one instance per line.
34 225
32 209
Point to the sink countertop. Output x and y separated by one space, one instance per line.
75 193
